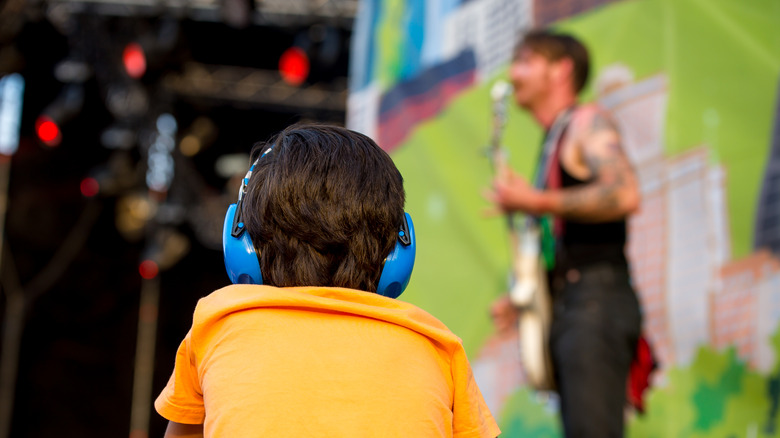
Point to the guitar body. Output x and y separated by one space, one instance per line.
530 294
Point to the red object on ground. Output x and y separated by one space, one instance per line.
642 367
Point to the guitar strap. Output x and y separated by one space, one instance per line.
548 175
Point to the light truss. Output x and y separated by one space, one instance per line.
266 12
259 88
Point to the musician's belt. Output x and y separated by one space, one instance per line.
582 255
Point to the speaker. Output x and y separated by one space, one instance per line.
243 266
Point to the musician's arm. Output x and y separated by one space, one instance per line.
612 194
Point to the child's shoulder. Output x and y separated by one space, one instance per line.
238 298
228 299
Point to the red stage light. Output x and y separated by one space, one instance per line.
294 66
148 269
48 131
89 187
134 59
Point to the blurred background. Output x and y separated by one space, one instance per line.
126 125
130 124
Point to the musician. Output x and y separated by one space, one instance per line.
589 191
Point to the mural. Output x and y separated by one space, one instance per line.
694 88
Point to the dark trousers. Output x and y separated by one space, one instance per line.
595 328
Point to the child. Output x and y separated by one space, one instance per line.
317 346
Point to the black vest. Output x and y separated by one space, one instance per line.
587 243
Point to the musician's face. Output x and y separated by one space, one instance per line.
530 74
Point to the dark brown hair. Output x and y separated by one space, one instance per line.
556 46
323 208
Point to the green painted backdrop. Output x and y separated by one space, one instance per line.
718 54
722 60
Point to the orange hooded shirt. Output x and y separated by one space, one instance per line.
314 361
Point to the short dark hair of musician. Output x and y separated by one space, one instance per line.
556 46
323 208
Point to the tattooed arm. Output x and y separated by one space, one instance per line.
611 194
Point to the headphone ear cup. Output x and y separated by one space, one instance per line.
241 260
398 266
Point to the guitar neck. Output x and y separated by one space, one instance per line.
498 155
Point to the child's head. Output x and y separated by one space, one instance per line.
323 208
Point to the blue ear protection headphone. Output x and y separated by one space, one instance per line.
243 265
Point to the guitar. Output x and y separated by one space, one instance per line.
529 291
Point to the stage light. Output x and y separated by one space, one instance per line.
11 98
133 211
160 163
198 136
48 131
312 56
134 60
148 269
294 66
89 187
48 126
